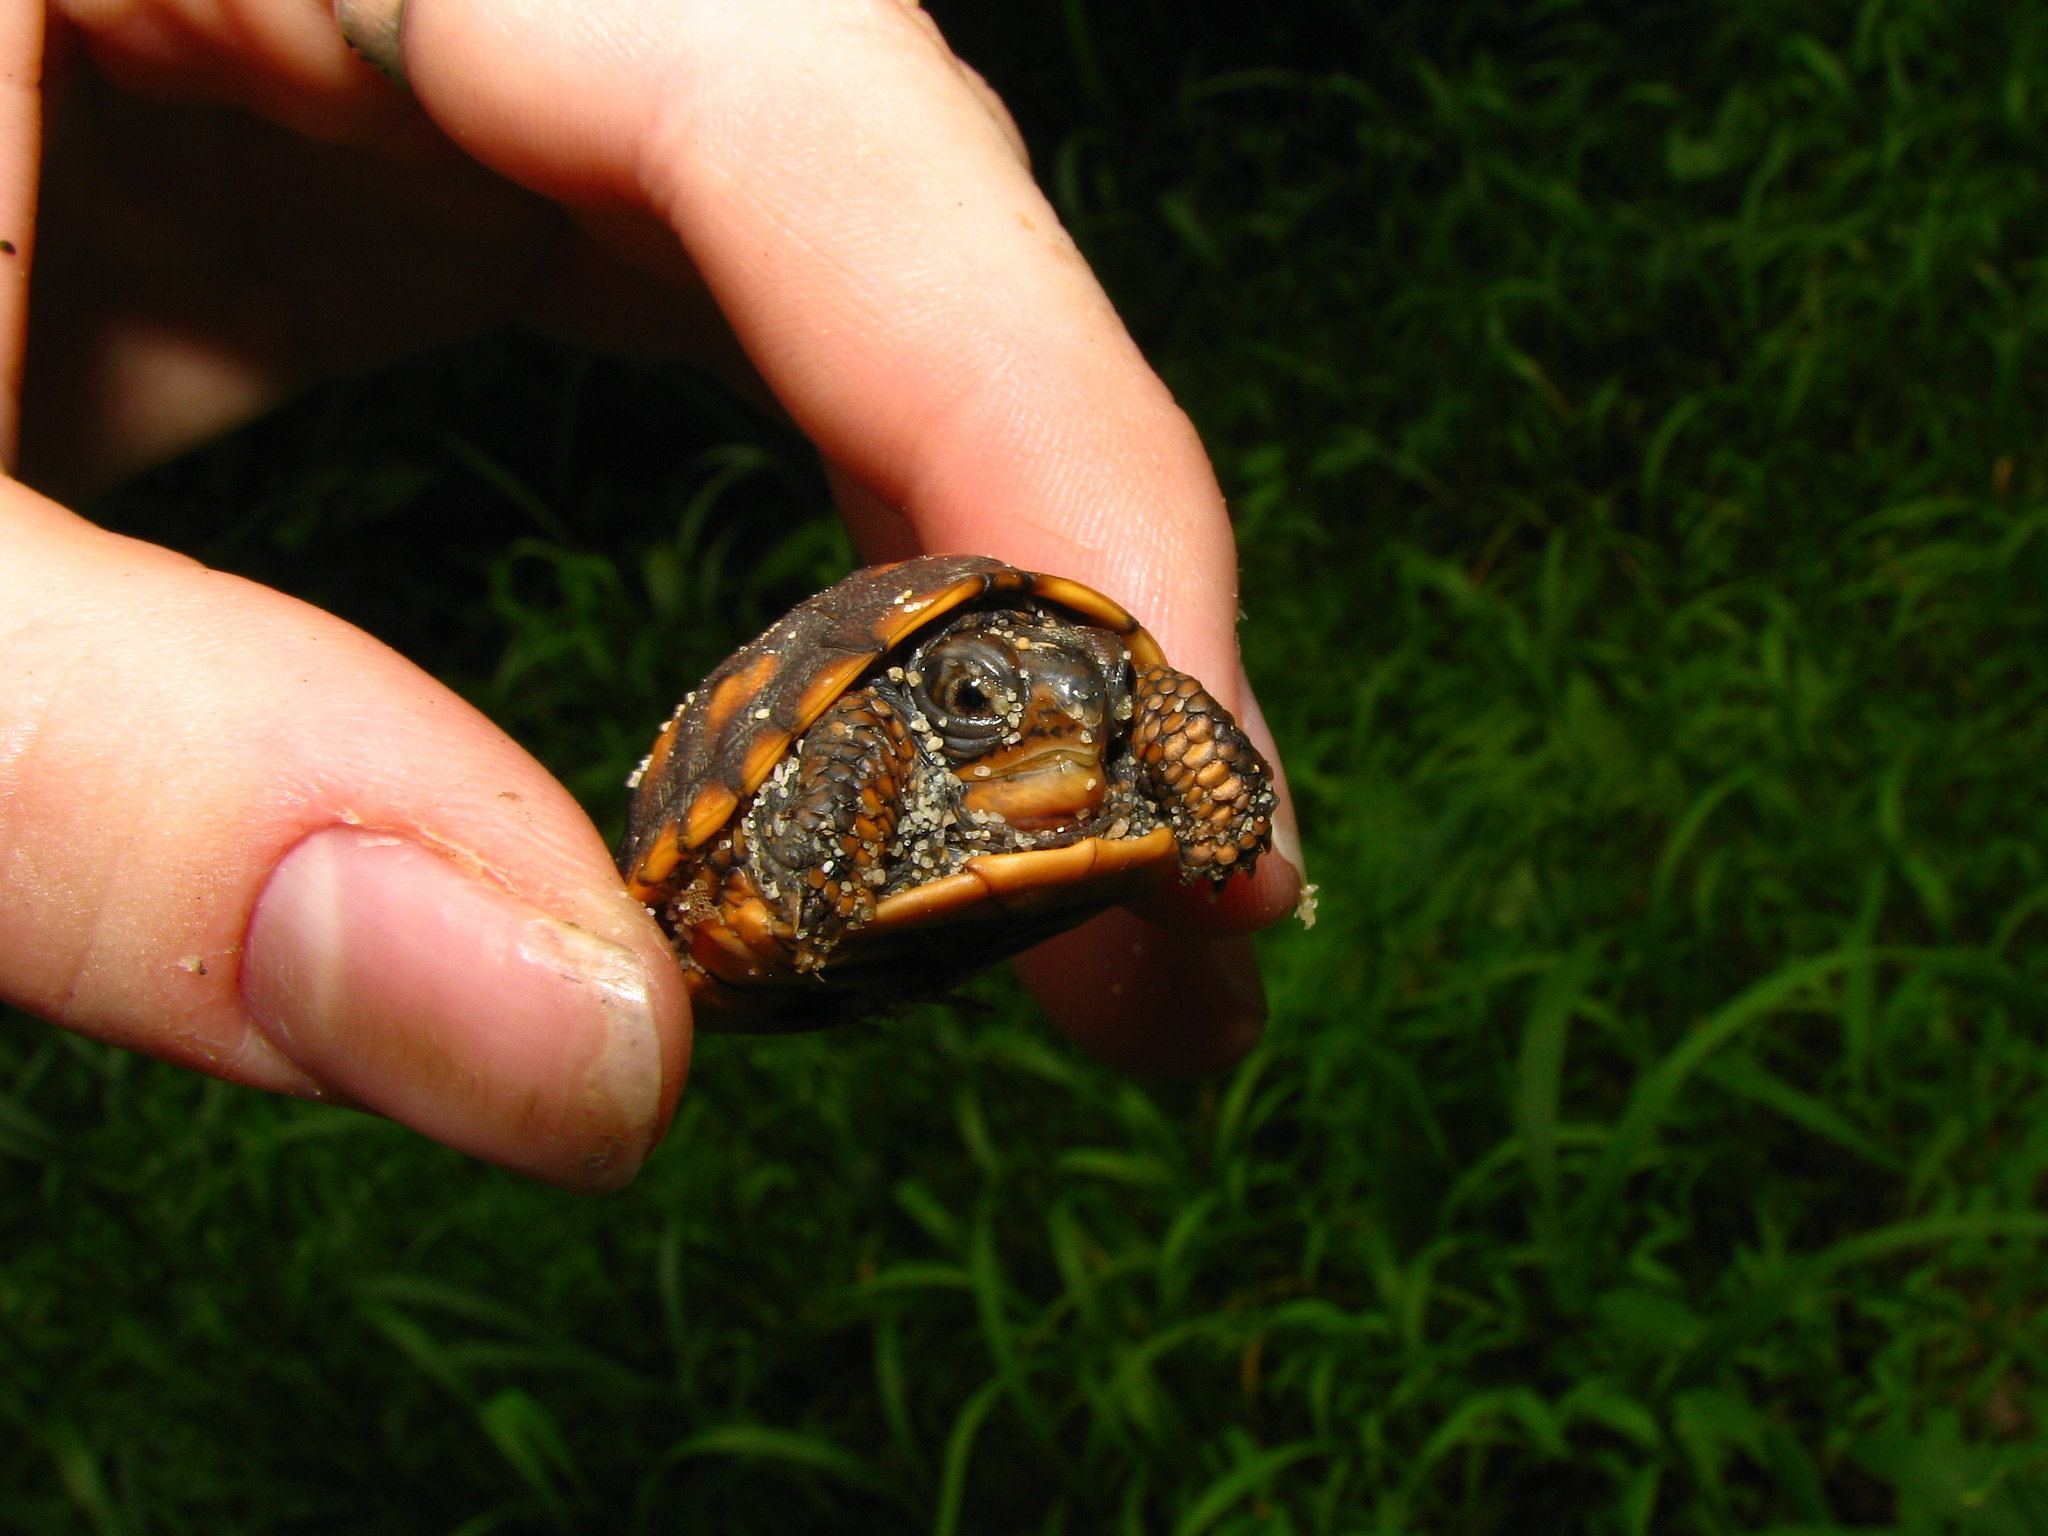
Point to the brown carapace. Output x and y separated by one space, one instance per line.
923 769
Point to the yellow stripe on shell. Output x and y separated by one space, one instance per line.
1105 611
761 759
737 693
709 812
650 875
823 691
911 613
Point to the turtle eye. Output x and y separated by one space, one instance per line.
963 694
966 685
966 691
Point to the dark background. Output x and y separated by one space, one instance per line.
1634 419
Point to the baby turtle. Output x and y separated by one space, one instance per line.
921 770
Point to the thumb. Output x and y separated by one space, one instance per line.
239 835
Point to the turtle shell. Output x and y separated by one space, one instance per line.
727 736
700 796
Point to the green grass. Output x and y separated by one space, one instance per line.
1635 415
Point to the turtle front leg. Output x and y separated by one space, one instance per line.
821 825
1215 787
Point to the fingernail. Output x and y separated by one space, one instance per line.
421 991
1287 840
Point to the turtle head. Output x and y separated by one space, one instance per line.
1024 709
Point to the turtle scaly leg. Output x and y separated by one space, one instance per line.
822 825
1214 785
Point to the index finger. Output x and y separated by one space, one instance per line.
870 230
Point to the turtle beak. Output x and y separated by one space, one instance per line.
1039 790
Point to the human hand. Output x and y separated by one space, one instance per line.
238 834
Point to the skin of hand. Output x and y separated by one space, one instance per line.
239 835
